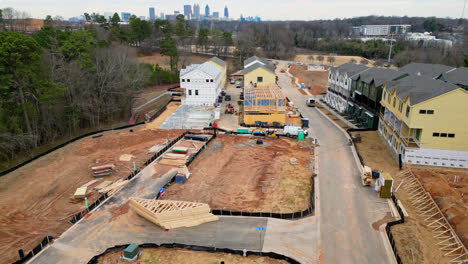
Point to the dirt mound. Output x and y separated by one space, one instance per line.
234 173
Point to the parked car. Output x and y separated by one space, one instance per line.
311 102
227 97
293 131
233 81
238 85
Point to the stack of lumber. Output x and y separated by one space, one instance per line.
178 149
172 214
102 185
103 170
174 159
111 189
366 176
80 192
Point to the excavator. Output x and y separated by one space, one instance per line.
268 133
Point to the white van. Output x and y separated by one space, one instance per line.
293 131
311 102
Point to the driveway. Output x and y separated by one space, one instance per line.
347 209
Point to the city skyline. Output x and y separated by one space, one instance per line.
268 10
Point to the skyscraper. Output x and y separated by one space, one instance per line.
226 12
216 14
125 16
152 15
188 11
196 11
207 11
162 15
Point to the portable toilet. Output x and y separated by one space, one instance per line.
386 183
131 252
300 135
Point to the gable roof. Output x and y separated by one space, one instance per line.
349 68
458 76
259 65
378 75
419 88
218 61
429 70
255 58
205 67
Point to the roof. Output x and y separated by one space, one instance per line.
458 76
205 67
378 75
419 88
255 58
218 61
349 68
429 70
259 65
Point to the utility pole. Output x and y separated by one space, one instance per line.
390 51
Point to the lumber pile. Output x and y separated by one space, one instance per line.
172 214
111 189
181 150
102 185
366 176
103 170
174 158
80 192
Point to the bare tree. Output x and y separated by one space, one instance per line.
320 58
364 61
310 57
331 59
352 60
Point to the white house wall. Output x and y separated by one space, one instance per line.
207 91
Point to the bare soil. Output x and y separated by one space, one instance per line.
338 59
185 256
414 234
184 60
317 80
234 173
37 199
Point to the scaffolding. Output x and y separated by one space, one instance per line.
264 99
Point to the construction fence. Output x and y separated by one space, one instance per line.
273 255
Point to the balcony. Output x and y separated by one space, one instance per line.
409 141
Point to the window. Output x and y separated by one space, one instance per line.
394 101
443 134
196 92
435 134
259 79
183 80
207 80
330 76
451 135
388 99
407 111
211 80
430 112
422 111
189 92
400 106
384 93
188 80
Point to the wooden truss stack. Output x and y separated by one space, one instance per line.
172 214
426 206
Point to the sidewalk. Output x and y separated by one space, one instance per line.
351 125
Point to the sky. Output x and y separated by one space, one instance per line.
266 9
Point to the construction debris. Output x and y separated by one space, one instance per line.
366 176
111 189
80 192
102 185
172 214
103 170
182 174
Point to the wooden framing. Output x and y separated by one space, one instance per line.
264 99
435 219
172 214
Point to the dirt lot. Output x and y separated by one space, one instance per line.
185 256
317 80
184 60
234 173
338 59
36 200
414 234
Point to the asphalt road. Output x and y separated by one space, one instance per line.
347 209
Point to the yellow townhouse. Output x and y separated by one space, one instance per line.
259 74
425 121
222 66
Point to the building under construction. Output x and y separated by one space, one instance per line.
265 104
